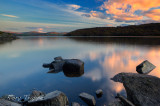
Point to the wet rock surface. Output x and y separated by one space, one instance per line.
142 90
73 68
145 67
89 99
99 93
70 67
56 98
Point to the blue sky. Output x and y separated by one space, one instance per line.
68 15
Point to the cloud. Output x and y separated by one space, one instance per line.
73 6
95 14
40 30
153 14
11 16
126 10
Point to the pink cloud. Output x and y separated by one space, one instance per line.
153 14
40 30
125 10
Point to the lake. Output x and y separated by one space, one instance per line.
21 62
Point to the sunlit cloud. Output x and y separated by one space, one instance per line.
11 16
40 30
153 14
73 6
127 10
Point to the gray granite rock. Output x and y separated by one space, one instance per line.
145 67
142 90
89 99
56 98
99 93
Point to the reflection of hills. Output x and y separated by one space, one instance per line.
120 40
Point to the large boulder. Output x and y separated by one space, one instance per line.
56 98
89 99
145 67
73 68
142 90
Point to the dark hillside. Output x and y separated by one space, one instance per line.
152 29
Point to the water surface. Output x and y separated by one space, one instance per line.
21 62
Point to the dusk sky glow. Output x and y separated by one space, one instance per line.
69 15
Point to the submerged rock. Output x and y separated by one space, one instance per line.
142 90
89 99
145 67
73 68
99 93
56 98
57 65
4 102
45 65
70 67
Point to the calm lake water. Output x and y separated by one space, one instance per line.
21 62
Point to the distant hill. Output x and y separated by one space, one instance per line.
34 33
4 36
152 29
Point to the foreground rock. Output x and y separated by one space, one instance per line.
142 90
56 98
99 93
145 67
73 68
89 99
4 102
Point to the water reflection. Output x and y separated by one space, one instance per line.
21 60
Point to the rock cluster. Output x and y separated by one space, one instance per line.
141 89
70 67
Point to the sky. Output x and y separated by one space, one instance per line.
69 15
